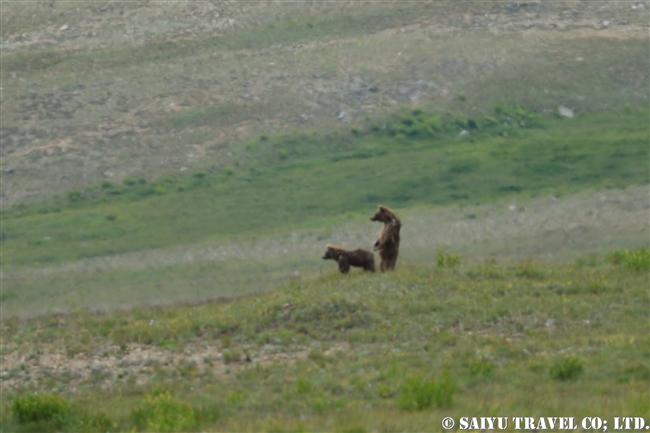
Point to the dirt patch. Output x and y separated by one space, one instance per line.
138 363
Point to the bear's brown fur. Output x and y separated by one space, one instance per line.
357 258
388 242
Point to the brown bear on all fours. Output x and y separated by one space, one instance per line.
357 258
388 242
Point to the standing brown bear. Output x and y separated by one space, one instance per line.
388 242
357 258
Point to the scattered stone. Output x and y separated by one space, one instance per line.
29 104
108 174
340 115
63 27
463 133
102 9
373 88
100 351
154 145
97 368
428 84
512 208
405 90
579 59
566 112
9 170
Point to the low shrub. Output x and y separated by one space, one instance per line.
446 259
40 408
417 393
638 260
567 368
160 413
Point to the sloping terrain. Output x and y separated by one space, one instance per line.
94 90
171 174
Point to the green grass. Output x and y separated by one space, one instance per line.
596 151
382 352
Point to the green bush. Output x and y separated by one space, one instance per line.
418 393
160 413
481 367
74 196
384 390
490 121
567 368
448 260
129 181
638 260
303 386
99 423
231 356
40 408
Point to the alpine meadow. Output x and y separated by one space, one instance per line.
172 174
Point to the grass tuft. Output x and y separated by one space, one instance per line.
567 368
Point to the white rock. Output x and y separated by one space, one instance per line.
566 112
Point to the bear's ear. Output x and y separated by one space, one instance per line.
328 246
382 209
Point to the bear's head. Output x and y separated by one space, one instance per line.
383 214
328 254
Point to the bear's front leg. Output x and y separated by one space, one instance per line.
344 266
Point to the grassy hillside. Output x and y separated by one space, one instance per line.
108 92
558 157
172 172
358 352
